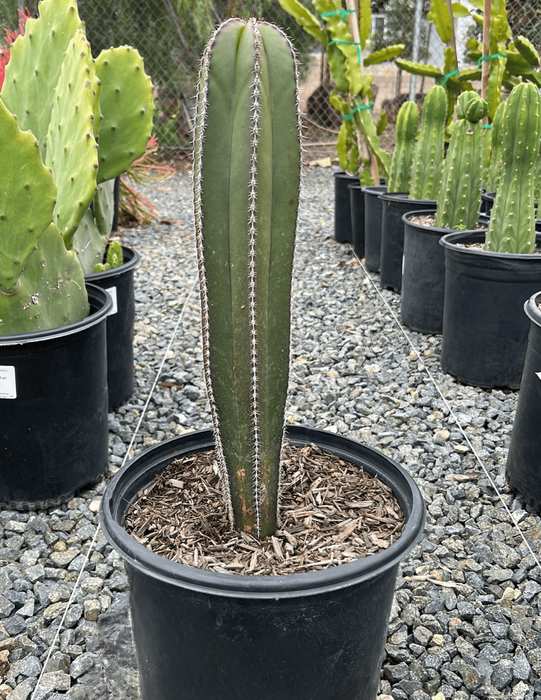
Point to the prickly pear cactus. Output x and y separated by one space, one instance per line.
462 181
114 258
35 64
127 108
406 131
41 283
512 221
90 239
428 158
71 146
246 183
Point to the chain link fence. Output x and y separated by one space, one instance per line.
171 34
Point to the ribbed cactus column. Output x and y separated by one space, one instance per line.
512 222
428 159
462 181
246 185
407 120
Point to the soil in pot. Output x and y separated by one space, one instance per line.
311 636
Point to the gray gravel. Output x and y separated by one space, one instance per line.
465 622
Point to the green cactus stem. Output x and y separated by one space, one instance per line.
41 283
127 108
113 259
428 158
406 131
246 185
512 222
35 64
496 135
462 181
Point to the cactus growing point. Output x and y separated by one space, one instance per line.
246 188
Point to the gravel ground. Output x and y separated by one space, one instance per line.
465 623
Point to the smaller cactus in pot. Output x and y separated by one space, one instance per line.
462 180
428 158
405 135
511 227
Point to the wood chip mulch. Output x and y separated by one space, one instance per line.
331 513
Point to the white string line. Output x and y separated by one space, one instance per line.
126 456
451 411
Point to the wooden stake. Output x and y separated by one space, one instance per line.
485 65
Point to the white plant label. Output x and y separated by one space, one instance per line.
8 386
538 375
112 292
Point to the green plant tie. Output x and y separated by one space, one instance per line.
348 117
449 75
353 43
487 126
488 58
343 13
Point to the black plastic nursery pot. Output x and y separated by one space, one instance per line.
523 467
485 333
356 199
394 206
203 635
53 410
120 326
423 275
487 202
342 209
372 225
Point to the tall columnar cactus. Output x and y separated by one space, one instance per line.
246 185
41 283
512 222
428 158
462 181
495 162
402 161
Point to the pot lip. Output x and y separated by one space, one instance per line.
97 295
404 196
532 310
450 240
293 585
374 189
435 229
346 176
131 263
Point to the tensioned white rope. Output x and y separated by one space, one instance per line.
126 456
451 411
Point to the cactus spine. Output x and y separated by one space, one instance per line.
462 181
428 158
246 184
406 132
512 223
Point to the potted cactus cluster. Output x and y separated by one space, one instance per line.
315 635
67 128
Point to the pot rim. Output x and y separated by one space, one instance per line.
404 196
94 317
115 502
448 241
374 189
130 264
